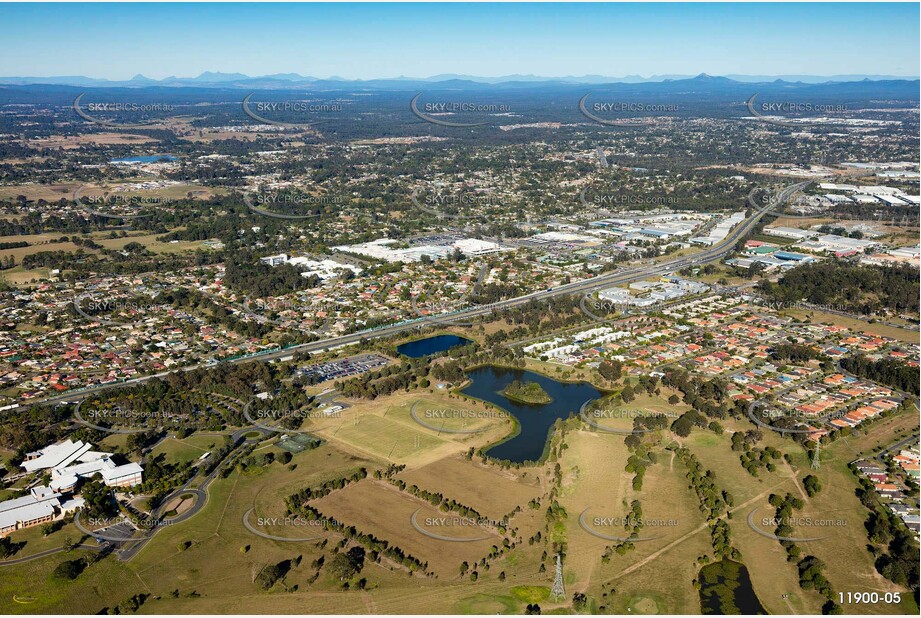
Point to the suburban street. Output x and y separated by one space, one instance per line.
711 254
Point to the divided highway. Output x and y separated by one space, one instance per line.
711 254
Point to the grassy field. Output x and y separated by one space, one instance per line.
882 330
620 417
594 465
450 412
379 508
49 242
219 537
187 449
594 479
491 491
115 441
383 437
715 453
19 253
841 546
21 276
47 192
875 436
386 430
68 142
151 243
30 588
216 572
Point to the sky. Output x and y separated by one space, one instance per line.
364 41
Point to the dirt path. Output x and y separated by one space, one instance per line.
688 535
792 475
789 606
369 603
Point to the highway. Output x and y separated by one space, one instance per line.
710 254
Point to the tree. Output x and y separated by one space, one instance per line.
98 498
812 485
271 573
6 547
69 569
347 565
611 370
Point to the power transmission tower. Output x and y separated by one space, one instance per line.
557 591
815 457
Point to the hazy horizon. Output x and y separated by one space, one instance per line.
385 41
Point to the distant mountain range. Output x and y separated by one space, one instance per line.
292 80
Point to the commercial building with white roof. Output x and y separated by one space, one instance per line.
381 249
71 461
790 232
55 456
37 507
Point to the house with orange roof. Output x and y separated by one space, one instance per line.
888 490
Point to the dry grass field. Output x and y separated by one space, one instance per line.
491 491
70 142
899 334
655 577
50 242
594 465
381 509
385 428
54 192
49 192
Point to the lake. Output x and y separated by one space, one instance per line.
726 588
145 159
534 420
431 345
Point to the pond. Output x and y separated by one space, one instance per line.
726 588
431 345
534 420
145 159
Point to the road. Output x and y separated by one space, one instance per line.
710 254
826 419
201 493
49 552
713 253
912 439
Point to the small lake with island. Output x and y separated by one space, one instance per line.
534 420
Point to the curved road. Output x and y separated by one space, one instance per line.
131 546
710 254
200 493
